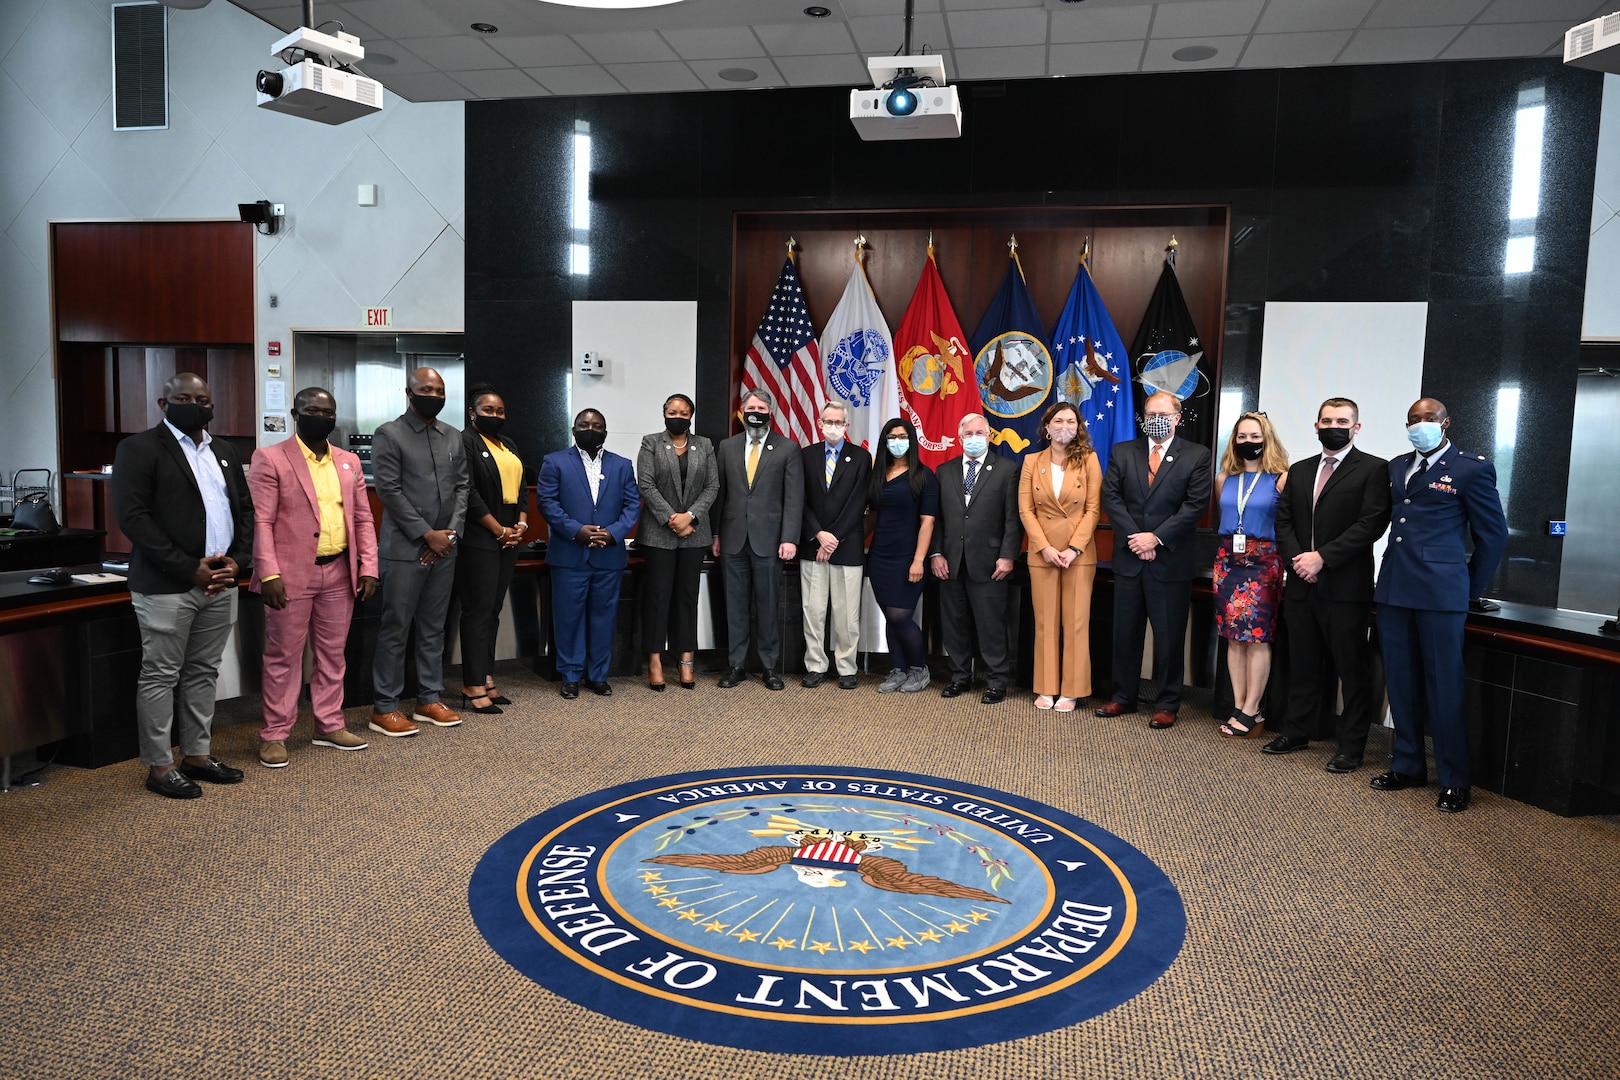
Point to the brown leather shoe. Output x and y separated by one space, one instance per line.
392 724
438 714
1114 708
1162 719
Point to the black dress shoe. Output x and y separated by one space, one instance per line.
1285 744
772 681
1453 800
813 679
173 785
955 688
995 695
215 772
570 690
732 677
1394 781
1343 763
598 687
848 682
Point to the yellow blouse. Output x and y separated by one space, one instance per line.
511 469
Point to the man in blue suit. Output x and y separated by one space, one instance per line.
589 497
1441 496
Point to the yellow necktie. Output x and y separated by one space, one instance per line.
753 458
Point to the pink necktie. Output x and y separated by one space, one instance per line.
1322 481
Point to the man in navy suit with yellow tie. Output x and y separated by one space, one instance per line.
1441 497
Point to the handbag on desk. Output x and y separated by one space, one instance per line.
34 512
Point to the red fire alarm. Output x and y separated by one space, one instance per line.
275 348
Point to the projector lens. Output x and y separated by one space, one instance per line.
269 83
901 102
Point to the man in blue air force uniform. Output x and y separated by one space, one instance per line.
1441 496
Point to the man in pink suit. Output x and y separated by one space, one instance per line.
314 551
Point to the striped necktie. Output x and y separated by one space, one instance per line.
832 463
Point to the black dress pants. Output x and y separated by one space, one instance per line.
1140 600
1319 630
483 576
669 597
967 606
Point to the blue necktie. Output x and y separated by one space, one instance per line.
972 476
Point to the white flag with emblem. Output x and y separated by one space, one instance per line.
857 352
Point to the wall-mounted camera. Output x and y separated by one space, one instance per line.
264 215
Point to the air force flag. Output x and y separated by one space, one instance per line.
1093 368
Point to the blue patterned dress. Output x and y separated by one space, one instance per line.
1248 586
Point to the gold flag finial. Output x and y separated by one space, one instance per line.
791 244
1085 250
1012 245
1173 244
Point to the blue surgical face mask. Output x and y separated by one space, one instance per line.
1426 435
975 445
899 447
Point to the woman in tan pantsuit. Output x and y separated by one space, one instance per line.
1058 497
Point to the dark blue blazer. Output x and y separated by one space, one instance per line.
565 502
1426 563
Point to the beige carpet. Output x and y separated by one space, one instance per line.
312 921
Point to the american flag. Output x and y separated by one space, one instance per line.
785 360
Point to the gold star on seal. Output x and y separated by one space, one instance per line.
670 901
822 947
782 943
714 927
978 916
656 890
899 943
651 875
956 926
929 935
690 916
745 936
862 947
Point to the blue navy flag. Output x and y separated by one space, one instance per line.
1012 365
1093 368
1169 355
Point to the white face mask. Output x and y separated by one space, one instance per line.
833 433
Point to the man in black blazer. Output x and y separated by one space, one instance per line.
833 550
182 499
1334 508
1154 492
976 539
756 520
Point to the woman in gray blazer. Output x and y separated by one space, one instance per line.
679 480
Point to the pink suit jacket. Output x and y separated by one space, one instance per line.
287 519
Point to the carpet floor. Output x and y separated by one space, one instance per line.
312 921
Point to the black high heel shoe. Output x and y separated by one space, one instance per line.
496 696
688 684
467 703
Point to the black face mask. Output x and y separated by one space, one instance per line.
677 425
489 425
314 429
1250 451
590 441
426 406
1333 439
188 416
756 419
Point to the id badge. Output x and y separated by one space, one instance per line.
1239 543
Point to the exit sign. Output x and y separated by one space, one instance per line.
379 317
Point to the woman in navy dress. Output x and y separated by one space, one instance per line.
904 495
1248 570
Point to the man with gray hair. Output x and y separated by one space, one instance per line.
833 551
756 518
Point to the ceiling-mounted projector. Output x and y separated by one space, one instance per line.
1592 44
909 100
318 87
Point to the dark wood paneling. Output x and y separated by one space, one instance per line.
230 380
157 281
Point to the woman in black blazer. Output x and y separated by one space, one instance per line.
496 523
679 480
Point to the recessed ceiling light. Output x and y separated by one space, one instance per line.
485 28
816 11
380 59
612 4
1195 52
738 74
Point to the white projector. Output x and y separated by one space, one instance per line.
316 92
909 101
1592 44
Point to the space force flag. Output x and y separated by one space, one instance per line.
936 384
1093 369
859 356
1012 365
783 359
1169 355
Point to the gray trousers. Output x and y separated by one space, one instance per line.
413 596
183 638
753 585
824 586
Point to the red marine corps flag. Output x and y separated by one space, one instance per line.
785 360
936 367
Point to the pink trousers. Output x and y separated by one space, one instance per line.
323 610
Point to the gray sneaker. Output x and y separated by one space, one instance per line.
916 680
896 679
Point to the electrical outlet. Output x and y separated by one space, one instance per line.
278 209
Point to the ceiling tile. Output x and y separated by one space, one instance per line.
883 35
281 18
983 29
1294 50
763 67
1008 62
393 234
552 50
441 176
983 5
426 86
1095 58
576 81
1206 18
1505 39
351 23
667 77
1103 24
1397 46
33 147
404 18
857 9
15 15
1159 53
715 44
203 44
385 59
1296 16
1570 12
456 53
627 47
500 83
144 167
841 70
64 37
806 39
1453 13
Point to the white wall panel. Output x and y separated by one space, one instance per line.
651 352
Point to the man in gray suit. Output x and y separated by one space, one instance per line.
756 518
976 540
421 478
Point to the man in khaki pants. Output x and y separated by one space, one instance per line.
834 551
